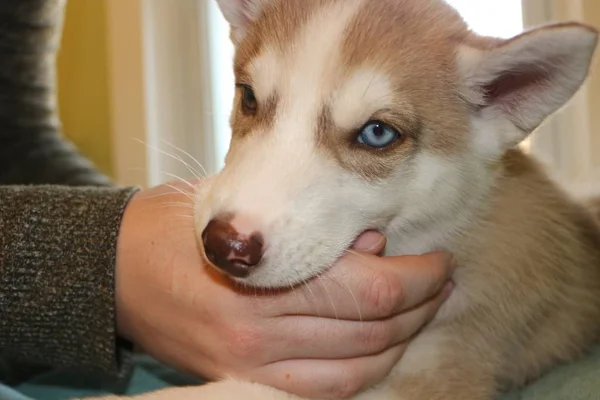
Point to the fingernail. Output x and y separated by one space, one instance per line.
369 241
447 290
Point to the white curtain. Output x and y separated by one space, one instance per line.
569 141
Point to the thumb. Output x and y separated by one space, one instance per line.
370 242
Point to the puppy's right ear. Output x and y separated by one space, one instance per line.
240 14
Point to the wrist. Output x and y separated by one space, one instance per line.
126 257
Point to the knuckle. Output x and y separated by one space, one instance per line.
382 294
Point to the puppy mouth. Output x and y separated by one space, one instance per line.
240 275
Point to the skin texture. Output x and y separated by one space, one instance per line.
191 317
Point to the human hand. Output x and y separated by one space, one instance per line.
328 338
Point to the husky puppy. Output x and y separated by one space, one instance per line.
392 115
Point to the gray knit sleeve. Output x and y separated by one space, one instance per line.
57 257
32 148
57 244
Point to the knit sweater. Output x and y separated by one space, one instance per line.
59 217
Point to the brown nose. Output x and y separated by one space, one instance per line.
232 252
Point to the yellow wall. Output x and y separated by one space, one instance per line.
83 84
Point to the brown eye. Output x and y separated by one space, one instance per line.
249 103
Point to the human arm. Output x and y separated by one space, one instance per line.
60 250
34 152
173 317
41 234
57 256
32 148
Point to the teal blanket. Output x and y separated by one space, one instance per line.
577 381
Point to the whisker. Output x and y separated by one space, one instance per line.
292 286
187 154
322 282
179 204
192 170
344 286
180 179
194 188
170 206
180 191
306 284
356 253
174 206
161 195
184 217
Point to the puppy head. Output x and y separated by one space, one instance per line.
367 114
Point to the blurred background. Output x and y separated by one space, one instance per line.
145 86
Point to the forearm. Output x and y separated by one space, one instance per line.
57 244
57 258
45 158
32 149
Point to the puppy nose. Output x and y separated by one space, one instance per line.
231 251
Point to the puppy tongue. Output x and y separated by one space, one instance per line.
370 241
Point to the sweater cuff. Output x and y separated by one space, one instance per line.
57 277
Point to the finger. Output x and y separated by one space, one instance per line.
296 337
328 379
366 287
419 278
370 242
226 389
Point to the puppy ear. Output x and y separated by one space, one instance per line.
240 14
518 83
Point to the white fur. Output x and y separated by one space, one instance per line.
297 189
433 200
366 92
277 189
489 132
266 73
311 69
280 189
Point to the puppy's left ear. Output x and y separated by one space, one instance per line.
518 83
240 14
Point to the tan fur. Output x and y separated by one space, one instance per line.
528 278
594 207
375 38
437 109
534 256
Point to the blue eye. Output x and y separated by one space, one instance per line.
378 135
